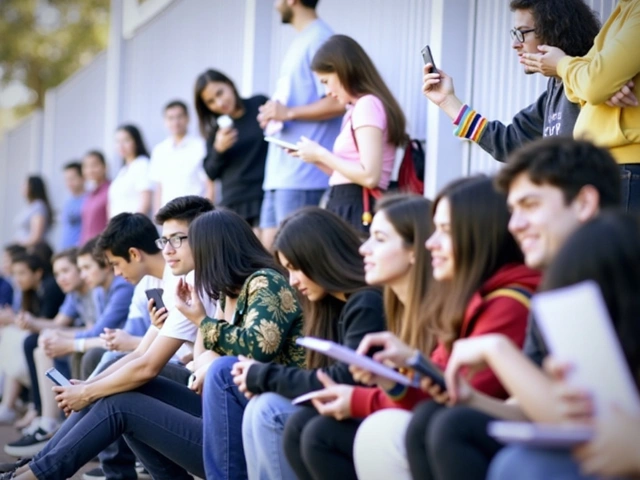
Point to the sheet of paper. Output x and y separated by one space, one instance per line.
576 326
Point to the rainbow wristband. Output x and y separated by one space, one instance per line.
470 124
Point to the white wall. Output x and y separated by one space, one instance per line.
246 39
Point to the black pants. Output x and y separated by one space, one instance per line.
161 421
346 202
319 447
61 364
449 443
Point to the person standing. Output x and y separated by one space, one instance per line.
130 191
71 220
176 162
298 108
34 222
94 209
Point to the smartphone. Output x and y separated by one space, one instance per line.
56 377
427 369
156 295
428 58
281 143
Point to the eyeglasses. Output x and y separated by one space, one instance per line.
175 241
519 34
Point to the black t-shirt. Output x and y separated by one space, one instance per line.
241 168
50 296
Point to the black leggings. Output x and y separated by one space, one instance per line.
319 447
449 443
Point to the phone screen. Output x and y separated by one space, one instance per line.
56 377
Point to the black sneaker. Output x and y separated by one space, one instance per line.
94 474
29 445
13 466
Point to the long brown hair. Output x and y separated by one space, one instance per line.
411 218
482 245
358 75
325 248
207 118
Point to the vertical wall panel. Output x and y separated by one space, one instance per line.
22 158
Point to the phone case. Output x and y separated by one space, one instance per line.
428 58
156 295
427 369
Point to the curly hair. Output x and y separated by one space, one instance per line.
569 25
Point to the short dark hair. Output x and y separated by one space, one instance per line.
90 248
225 252
177 103
73 165
569 25
70 254
567 164
125 231
184 209
309 3
14 250
98 154
44 251
32 261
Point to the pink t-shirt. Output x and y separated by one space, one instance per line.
368 111
94 213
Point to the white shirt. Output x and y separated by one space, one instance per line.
177 325
125 189
178 169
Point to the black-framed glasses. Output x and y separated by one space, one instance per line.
517 34
175 241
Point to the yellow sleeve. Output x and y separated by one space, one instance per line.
598 75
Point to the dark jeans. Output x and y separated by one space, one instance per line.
319 447
630 183
62 364
161 421
223 409
117 461
449 443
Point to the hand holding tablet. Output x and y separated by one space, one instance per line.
281 143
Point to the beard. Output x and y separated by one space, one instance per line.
286 14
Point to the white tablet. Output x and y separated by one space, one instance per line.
350 357
576 326
306 397
281 143
540 435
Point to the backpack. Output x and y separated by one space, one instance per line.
410 176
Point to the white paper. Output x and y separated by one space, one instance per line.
281 143
576 326
350 357
526 433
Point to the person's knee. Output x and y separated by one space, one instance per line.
446 427
417 428
379 443
509 463
219 373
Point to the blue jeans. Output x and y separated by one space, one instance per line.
630 183
223 406
535 464
161 422
278 204
262 433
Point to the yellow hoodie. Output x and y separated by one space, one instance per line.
591 80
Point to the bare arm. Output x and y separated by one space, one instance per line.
145 202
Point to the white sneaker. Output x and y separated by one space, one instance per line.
7 415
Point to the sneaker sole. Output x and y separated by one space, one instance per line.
26 451
89 477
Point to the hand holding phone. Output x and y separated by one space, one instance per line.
56 377
281 143
428 58
427 369
155 294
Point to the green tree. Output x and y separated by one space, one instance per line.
45 41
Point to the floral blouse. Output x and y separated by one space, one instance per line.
266 323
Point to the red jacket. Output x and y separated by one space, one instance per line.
498 307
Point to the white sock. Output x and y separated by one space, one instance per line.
48 424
